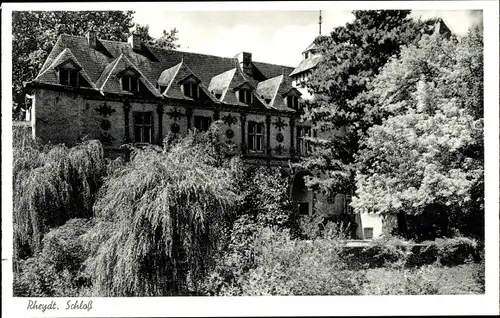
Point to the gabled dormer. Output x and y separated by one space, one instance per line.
68 73
190 86
291 98
129 80
244 93
122 77
66 70
180 82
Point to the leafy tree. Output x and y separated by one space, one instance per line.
157 220
427 155
166 41
51 185
353 55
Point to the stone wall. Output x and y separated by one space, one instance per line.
66 117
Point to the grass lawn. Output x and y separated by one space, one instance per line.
435 279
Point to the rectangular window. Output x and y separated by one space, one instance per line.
303 146
348 207
202 123
68 77
255 136
368 233
191 90
245 96
143 127
130 84
292 102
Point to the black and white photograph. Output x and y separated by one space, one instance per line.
234 152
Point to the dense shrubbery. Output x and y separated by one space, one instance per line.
157 220
295 267
57 270
51 184
317 226
392 252
265 205
281 265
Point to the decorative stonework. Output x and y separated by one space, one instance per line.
279 150
279 124
280 137
229 120
105 110
229 133
105 125
175 114
175 128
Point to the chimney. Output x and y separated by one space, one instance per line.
135 41
245 60
91 36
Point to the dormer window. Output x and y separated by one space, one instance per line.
130 83
68 77
292 102
245 96
191 90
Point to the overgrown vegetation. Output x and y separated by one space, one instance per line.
51 184
157 221
57 270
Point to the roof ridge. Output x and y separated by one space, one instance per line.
110 71
176 51
178 65
277 88
229 83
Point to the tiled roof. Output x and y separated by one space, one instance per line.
50 74
274 90
269 88
307 64
112 82
172 78
157 66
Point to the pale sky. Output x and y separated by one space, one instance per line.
271 36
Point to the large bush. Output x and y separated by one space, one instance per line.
57 270
456 251
158 219
51 184
265 205
286 266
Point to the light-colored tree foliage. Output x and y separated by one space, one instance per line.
157 219
51 184
352 56
428 150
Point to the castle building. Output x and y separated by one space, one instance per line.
130 92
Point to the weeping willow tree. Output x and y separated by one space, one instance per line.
51 184
157 220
